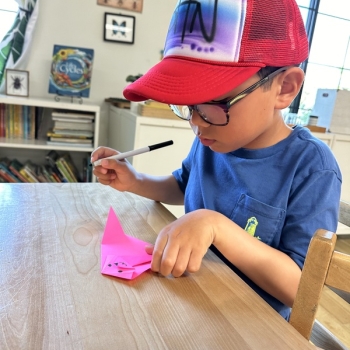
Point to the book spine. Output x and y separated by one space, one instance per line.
29 122
27 176
7 175
24 123
17 174
63 171
71 115
16 121
73 126
8 120
55 177
12 121
31 173
32 122
69 170
53 172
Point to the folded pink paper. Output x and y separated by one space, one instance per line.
122 255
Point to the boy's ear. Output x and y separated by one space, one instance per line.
289 84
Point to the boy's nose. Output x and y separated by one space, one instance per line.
197 122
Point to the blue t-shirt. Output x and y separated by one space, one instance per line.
280 194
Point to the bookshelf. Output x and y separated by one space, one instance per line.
36 149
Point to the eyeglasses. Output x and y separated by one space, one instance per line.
217 113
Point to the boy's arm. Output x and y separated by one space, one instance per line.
181 246
270 269
122 176
163 189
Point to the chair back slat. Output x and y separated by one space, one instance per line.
339 272
313 277
323 266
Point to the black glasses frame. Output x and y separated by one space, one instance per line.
227 104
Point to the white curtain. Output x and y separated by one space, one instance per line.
15 47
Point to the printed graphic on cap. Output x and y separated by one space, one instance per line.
210 30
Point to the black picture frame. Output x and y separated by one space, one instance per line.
119 28
17 82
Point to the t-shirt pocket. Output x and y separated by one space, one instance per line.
260 220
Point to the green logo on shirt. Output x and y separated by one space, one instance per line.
251 225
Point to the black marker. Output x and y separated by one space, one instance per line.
135 152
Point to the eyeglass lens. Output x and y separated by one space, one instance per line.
212 114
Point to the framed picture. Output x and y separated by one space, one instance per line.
17 82
130 5
119 28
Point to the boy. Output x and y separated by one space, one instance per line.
254 189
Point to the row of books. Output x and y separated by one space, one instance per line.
19 122
71 128
58 168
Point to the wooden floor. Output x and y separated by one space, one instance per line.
334 312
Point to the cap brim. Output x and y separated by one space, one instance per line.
181 81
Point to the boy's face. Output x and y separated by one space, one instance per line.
254 121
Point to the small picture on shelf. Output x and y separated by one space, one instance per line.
71 70
17 82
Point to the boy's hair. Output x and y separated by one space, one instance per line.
264 72
214 46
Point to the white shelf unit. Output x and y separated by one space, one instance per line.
128 130
35 150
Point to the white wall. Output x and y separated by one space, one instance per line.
80 23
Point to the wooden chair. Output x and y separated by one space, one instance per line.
323 266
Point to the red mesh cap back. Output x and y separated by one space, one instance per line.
274 34
214 46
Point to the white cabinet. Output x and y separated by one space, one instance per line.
128 131
340 146
36 149
327 138
341 150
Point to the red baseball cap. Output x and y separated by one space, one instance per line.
214 46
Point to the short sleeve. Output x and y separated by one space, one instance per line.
312 205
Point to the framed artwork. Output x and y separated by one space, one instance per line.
17 82
119 28
131 5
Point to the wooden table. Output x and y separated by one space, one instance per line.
53 296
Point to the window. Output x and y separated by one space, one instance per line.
8 11
328 66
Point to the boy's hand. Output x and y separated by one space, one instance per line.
181 245
118 174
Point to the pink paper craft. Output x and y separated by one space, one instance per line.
122 255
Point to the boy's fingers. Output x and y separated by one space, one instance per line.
149 249
158 252
102 152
